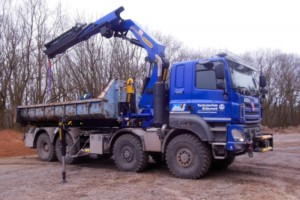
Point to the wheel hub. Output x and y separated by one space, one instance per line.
127 154
46 147
185 157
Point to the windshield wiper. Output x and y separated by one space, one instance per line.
243 90
246 91
254 92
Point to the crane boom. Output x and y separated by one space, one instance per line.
113 25
109 25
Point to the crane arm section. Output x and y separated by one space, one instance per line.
109 25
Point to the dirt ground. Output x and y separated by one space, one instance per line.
272 175
11 144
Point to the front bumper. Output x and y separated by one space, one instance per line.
253 142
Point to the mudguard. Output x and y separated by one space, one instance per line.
193 123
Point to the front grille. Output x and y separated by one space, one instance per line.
252 113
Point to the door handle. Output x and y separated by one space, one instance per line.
179 90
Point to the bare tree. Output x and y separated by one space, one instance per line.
283 76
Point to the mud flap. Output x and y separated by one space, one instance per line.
263 143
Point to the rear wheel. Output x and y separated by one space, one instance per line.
129 155
71 150
188 157
45 148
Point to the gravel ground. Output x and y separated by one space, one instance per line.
272 175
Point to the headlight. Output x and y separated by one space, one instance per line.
237 135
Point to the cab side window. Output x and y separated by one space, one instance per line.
206 76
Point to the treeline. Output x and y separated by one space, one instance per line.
281 108
25 77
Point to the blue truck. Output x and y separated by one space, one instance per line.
193 115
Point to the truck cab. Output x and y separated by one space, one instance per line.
222 96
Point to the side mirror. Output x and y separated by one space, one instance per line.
219 69
262 81
263 92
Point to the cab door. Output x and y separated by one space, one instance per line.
209 99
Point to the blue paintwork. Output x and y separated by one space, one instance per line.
193 97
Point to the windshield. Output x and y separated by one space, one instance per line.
243 78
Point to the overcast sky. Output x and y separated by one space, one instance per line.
235 25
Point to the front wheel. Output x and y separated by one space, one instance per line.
188 157
129 155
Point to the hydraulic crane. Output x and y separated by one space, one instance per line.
112 25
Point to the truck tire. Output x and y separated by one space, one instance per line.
188 157
45 148
129 155
70 151
222 164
